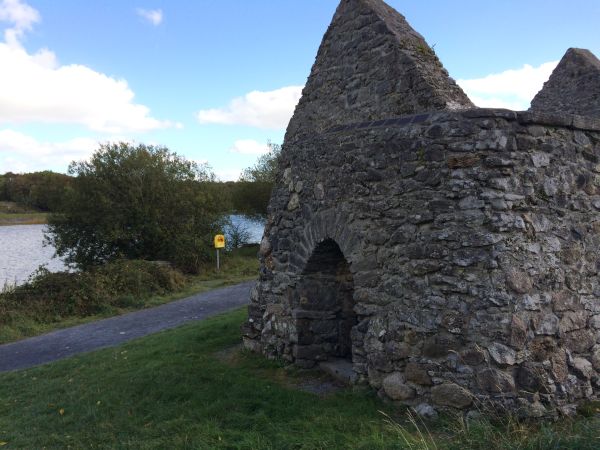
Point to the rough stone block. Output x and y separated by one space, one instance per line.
518 332
417 374
532 377
518 281
495 381
395 387
426 411
582 368
579 341
451 394
573 320
502 355
546 324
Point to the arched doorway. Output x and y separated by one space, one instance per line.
324 306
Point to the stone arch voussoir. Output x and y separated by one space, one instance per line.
325 225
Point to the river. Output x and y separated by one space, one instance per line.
22 249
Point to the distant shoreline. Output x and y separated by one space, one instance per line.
23 219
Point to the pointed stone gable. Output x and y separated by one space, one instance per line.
372 65
573 87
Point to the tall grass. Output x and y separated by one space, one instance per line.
50 297
414 432
455 431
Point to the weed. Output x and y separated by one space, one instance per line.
425 50
419 439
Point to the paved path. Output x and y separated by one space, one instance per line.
116 330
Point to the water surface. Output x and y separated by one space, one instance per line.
253 227
22 252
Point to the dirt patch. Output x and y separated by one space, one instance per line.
311 381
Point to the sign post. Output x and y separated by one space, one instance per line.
219 244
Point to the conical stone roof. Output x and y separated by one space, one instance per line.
573 87
372 65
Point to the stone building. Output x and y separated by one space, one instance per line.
449 252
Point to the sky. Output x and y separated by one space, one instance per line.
215 81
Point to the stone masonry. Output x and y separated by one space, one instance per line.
574 86
449 252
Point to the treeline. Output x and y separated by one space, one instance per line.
249 196
44 191
245 197
39 190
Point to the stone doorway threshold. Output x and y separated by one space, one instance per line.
340 369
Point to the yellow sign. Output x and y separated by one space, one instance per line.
219 241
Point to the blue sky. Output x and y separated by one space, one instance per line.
215 80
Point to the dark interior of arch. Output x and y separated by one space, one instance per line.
324 312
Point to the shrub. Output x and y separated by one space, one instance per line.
236 235
48 297
141 202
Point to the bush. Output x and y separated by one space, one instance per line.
141 202
236 235
48 297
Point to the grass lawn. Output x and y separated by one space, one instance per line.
176 389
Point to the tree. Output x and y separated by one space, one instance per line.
40 190
252 192
47 189
236 234
137 202
265 169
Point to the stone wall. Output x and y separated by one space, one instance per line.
449 252
472 242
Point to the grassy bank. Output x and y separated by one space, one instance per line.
190 388
23 219
52 301
14 214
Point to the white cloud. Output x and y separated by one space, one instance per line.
152 16
20 152
228 174
34 88
249 147
21 16
512 89
271 109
